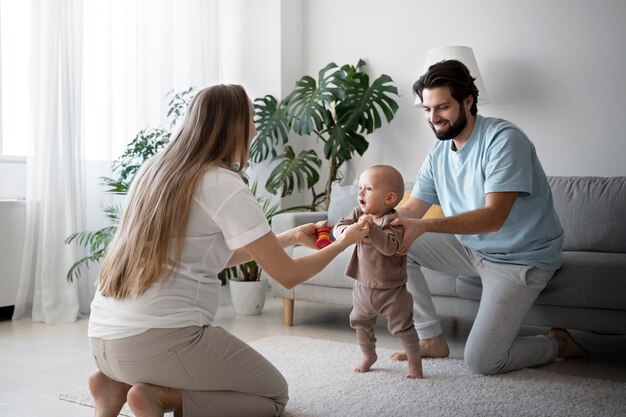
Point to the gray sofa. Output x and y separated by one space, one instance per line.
587 293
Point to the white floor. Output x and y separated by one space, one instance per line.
38 361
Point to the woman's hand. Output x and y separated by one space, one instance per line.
306 234
412 230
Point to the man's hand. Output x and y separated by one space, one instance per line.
412 230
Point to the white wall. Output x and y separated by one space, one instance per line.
262 49
555 68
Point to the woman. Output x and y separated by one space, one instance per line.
188 215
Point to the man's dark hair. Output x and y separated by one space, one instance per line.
452 74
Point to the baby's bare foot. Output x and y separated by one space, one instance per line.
146 400
415 366
369 359
568 348
109 395
435 347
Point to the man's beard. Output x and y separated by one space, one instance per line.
453 129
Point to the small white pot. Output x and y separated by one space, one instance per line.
248 296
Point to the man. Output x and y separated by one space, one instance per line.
500 226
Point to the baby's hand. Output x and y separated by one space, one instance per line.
354 233
368 218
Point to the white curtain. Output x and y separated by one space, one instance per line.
101 71
53 163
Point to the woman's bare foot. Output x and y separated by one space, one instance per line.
435 347
146 400
369 359
568 348
109 395
415 366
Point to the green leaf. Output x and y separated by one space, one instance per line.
273 128
77 268
342 143
294 172
308 106
360 109
178 104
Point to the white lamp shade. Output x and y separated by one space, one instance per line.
463 54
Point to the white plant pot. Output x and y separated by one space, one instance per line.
248 296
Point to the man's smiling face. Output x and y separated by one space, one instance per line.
445 115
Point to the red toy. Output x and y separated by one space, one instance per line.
323 237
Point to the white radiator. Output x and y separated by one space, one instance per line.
12 229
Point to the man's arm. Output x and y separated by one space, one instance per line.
483 220
413 208
489 218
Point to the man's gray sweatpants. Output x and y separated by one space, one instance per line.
508 291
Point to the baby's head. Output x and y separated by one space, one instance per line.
381 188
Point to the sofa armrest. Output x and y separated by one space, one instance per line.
285 221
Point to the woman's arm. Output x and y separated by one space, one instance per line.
289 272
304 235
344 222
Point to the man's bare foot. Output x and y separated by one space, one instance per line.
109 395
415 366
435 347
369 359
146 400
568 348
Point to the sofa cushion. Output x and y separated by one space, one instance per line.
586 280
591 210
342 201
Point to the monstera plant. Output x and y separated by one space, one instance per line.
338 109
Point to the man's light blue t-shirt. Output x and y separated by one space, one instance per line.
498 157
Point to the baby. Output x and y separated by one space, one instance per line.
380 287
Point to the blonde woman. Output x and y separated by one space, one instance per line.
188 215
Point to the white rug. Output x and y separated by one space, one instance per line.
322 384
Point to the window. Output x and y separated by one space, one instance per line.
14 59
133 52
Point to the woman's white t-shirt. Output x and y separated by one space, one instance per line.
224 216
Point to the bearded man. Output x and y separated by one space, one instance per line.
500 227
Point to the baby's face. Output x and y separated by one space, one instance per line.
374 193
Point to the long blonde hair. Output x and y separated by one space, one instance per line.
215 132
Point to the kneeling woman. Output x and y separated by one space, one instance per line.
188 215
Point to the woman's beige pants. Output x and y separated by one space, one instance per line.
217 374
